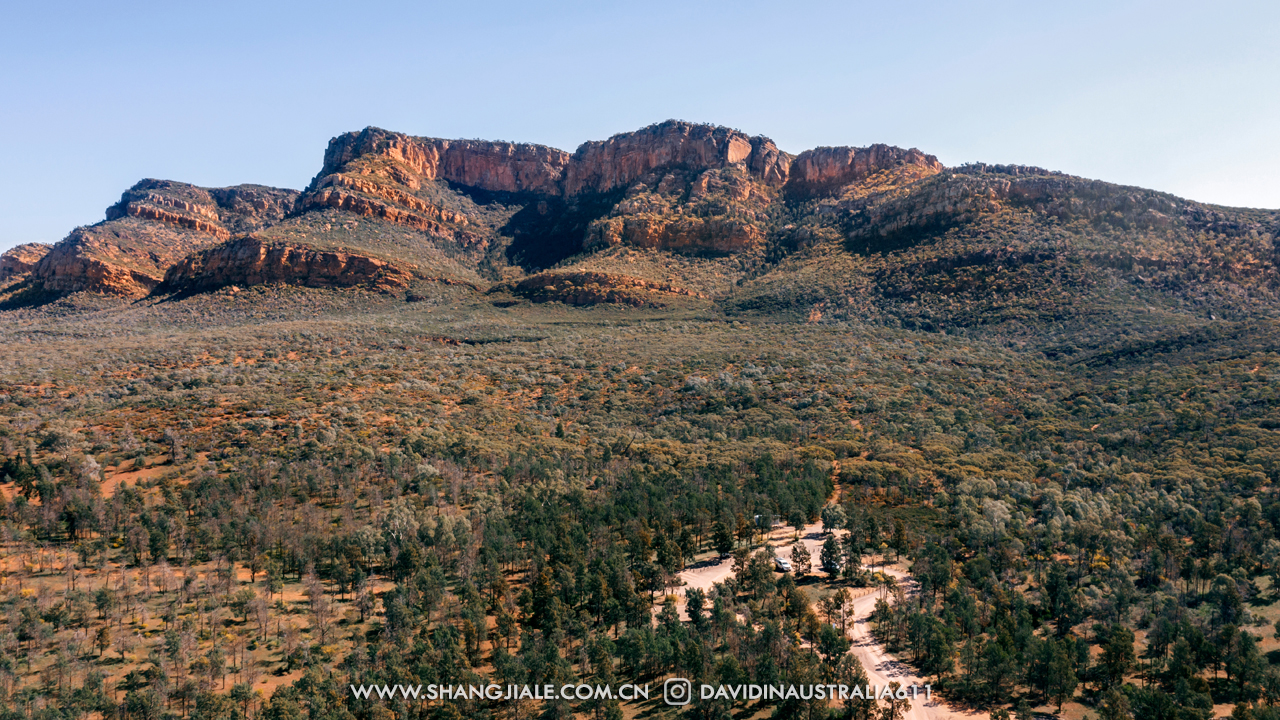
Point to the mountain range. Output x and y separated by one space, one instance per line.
680 213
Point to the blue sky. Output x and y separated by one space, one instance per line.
1176 96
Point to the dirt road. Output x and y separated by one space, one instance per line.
881 668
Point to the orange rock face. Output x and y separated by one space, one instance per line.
622 159
825 168
390 194
386 175
493 166
122 257
250 261
526 168
677 233
153 226
150 212
22 259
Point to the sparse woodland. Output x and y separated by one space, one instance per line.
235 505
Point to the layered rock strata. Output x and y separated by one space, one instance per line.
154 225
251 261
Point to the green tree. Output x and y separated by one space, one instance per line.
938 648
797 520
998 666
103 639
1062 678
833 518
1060 599
1245 664
830 556
801 560
721 538
1117 656
695 601
894 708
1114 706
899 542
243 694
832 644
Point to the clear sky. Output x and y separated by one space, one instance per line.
1177 96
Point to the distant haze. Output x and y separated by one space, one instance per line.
1175 96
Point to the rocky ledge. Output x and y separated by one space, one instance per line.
153 226
595 167
220 212
251 261
828 168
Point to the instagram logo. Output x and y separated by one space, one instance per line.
677 691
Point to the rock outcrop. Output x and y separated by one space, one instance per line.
718 235
410 161
214 211
1073 198
666 177
21 259
526 168
825 169
623 159
154 225
251 261
127 257
370 199
245 208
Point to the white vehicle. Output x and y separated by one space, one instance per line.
783 564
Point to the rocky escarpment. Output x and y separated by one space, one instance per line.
623 159
126 257
675 186
215 211
411 161
677 233
840 190
536 169
928 206
413 183
671 175
245 208
594 288
21 259
827 169
154 225
251 261
711 211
